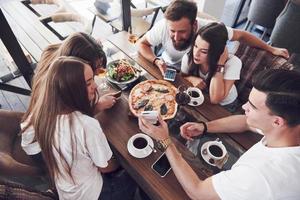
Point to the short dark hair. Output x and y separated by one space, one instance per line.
181 8
283 93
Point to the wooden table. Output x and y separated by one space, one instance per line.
119 126
207 110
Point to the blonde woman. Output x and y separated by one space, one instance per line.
79 45
62 129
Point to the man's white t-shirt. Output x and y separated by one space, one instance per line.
262 173
159 34
232 71
93 151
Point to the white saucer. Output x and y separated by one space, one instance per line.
140 153
204 155
194 105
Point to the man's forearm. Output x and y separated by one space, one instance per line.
231 124
187 178
146 52
252 40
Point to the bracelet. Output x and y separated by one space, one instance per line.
220 68
162 145
155 59
204 127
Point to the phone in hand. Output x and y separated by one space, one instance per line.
170 74
151 116
161 166
118 94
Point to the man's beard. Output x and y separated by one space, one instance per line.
183 44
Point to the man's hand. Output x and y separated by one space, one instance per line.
159 132
196 82
191 129
280 52
161 66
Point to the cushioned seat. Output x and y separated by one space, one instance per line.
255 60
13 160
10 190
16 168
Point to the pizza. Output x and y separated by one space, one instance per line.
156 95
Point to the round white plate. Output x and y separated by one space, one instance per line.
137 154
137 75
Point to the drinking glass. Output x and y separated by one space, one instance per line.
182 99
133 38
100 80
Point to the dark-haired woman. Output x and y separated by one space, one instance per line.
201 66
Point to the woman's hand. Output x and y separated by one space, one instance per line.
196 82
191 129
106 101
159 132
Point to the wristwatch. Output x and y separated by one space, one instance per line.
220 68
162 145
154 61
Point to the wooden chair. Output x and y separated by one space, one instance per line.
64 13
139 24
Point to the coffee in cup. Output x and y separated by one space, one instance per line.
194 94
215 150
214 153
140 143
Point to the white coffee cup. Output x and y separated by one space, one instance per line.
196 95
214 153
140 145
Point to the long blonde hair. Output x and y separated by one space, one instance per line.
79 45
62 92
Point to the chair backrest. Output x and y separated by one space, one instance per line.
255 60
204 15
265 12
287 28
139 23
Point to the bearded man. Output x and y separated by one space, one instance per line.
176 31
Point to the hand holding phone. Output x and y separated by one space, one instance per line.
170 74
161 166
151 116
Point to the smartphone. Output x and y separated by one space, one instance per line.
161 166
170 74
117 94
151 116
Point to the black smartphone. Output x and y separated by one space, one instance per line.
161 166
